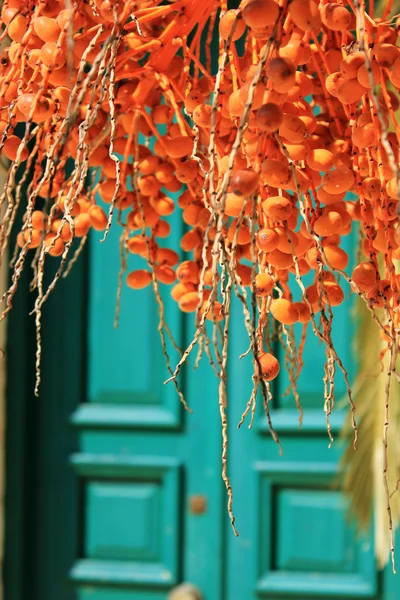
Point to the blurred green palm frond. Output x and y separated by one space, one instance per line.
362 470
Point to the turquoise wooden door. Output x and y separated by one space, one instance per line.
153 507
144 465
297 541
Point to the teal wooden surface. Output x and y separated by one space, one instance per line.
112 593
390 581
132 519
296 541
142 458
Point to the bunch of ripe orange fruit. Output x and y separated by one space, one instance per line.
116 114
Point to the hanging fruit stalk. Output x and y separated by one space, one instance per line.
263 152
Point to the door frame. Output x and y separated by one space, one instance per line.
39 438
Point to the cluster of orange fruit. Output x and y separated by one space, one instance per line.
270 155
261 152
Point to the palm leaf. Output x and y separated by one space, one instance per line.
362 470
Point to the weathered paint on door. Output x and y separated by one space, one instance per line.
143 463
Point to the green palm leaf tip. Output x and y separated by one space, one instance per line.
362 470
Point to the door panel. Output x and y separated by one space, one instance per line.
127 366
131 531
153 506
296 539
149 473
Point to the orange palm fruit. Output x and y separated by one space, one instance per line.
284 311
269 366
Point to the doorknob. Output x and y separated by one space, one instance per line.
185 591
